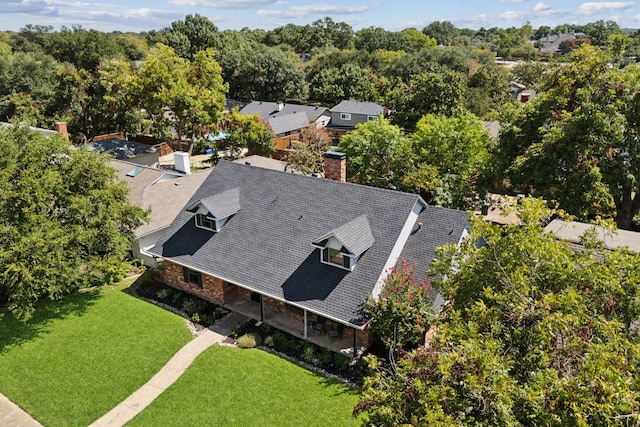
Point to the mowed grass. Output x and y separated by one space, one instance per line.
78 358
228 386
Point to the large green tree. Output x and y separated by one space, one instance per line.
450 153
187 37
379 154
535 334
428 92
186 96
578 143
64 221
347 82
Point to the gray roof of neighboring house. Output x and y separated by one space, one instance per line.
120 148
267 246
358 107
221 205
288 123
270 110
263 162
164 193
35 129
612 239
355 235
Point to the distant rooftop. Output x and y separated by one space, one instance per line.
572 231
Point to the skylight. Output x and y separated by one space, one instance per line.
135 171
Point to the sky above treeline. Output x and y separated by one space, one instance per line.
144 15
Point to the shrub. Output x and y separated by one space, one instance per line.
268 341
247 341
163 293
324 357
308 353
280 340
340 362
193 305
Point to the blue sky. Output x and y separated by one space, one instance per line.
143 15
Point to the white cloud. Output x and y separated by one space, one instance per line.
313 9
225 4
541 7
588 9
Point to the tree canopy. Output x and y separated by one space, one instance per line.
536 334
192 91
577 143
65 223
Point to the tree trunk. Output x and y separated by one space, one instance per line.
626 209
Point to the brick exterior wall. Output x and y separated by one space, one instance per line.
220 292
213 289
335 166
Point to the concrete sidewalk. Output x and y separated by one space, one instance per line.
169 373
12 416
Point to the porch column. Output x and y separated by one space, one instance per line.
261 309
305 325
355 341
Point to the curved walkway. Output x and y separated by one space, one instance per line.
169 373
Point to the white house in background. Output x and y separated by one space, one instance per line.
161 192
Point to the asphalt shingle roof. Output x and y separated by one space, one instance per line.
120 148
267 245
440 226
355 235
221 205
358 107
164 193
269 110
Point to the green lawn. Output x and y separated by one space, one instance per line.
228 386
78 358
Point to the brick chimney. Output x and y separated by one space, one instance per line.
335 166
61 128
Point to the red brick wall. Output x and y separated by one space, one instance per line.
213 289
335 168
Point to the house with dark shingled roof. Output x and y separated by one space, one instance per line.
298 252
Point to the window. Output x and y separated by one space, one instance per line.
335 257
345 116
369 118
191 276
204 221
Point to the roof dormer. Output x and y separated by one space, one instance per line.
212 212
343 246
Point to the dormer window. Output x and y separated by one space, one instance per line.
343 246
206 222
335 257
211 213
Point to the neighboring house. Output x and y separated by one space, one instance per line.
263 162
163 193
550 44
347 114
287 120
297 252
131 151
572 231
61 128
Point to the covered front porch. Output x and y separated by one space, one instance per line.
322 332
